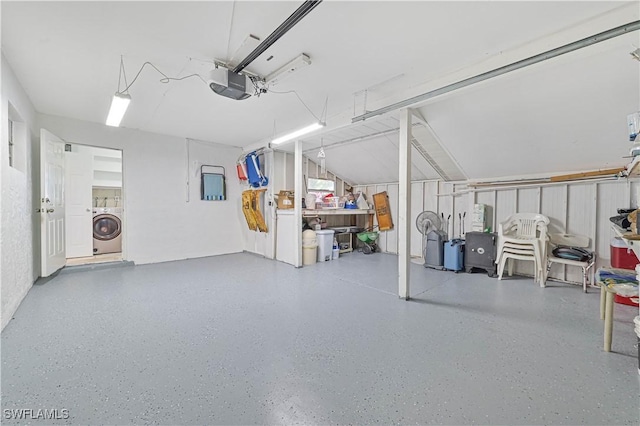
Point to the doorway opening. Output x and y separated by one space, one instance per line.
94 205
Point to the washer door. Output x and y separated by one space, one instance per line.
106 227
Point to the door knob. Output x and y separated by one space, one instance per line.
49 210
89 210
38 210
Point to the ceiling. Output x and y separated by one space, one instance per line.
364 55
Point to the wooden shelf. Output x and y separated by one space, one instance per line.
336 212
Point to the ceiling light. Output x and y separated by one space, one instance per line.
297 133
292 66
119 106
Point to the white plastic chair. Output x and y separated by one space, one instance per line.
523 236
571 240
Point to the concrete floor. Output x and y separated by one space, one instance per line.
239 339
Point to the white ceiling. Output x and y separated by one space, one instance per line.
67 54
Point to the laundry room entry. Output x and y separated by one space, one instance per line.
94 205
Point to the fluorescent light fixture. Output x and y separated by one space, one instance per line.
292 66
297 133
119 106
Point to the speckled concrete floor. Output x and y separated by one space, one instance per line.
239 339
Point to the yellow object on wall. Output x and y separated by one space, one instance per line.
251 210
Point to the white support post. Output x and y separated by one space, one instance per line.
297 205
404 205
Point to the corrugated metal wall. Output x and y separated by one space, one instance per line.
580 207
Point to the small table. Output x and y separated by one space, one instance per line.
611 281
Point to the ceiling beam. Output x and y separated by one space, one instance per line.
588 41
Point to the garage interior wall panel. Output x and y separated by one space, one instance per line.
289 172
278 178
20 189
506 204
417 194
392 234
581 207
611 195
581 220
164 218
460 206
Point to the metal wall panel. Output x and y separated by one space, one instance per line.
576 207
461 206
529 200
506 201
290 172
417 194
445 206
581 218
392 235
430 196
279 167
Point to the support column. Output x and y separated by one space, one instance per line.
404 204
297 205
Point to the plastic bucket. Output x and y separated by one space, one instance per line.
335 254
309 255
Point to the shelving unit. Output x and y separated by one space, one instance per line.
307 213
107 168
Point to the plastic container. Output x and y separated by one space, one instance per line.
325 244
335 254
310 201
626 300
621 255
309 247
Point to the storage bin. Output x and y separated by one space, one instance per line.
621 255
325 244
330 202
309 247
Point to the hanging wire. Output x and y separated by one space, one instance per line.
296 93
325 110
233 11
322 157
122 71
165 79
119 75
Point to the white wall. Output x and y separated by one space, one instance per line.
19 252
581 207
164 218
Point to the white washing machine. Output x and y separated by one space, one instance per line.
107 230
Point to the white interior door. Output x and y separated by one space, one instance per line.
51 203
79 214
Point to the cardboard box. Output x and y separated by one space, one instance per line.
479 218
285 199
